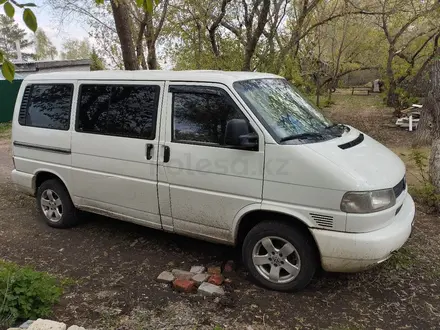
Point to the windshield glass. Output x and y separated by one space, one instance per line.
284 111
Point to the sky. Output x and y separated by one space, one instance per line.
56 31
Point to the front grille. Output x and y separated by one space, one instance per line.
400 187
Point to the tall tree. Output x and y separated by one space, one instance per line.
10 32
124 28
44 49
253 16
74 49
148 25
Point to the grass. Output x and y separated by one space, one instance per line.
5 130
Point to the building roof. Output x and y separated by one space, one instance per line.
197 75
35 66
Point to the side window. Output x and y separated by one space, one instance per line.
204 117
120 110
48 106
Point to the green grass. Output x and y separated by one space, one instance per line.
5 129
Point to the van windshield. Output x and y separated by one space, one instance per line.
288 116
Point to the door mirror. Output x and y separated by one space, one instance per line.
238 134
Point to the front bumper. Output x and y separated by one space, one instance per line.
351 252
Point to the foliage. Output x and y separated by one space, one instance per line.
25 293
425 193
11 33
44 47
97 63
74 49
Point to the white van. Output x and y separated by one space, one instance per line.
237 158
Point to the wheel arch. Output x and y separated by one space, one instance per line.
45 174
253 214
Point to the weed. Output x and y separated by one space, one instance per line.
401 259
5 128
425 193
26 293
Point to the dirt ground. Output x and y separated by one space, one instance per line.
113 265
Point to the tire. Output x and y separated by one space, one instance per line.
55 205
295 271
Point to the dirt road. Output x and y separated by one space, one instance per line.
114 266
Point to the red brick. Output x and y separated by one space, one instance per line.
184 285
216 279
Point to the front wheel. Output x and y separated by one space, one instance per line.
279 257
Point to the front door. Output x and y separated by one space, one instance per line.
208 180
114 149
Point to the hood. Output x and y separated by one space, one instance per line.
372 165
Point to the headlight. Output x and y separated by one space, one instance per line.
367 201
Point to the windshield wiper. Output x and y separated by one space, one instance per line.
300 136
335 125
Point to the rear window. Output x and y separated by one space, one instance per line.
47 106
119 110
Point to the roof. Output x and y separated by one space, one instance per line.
199 75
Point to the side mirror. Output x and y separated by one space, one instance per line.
237 134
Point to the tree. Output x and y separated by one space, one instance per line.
8 69
74 49
253 16
10 33
433 106
44 49
97 63
409 28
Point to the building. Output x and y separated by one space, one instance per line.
9 91
26 68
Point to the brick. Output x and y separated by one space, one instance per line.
208 289
184 285
214 270
229 266
182 274
41 324
216 279
200 278
197 269
165 277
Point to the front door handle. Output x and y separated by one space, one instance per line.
166 154
149 150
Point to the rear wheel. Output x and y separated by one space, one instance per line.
279 256
55 205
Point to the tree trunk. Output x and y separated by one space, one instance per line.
252 38
152 58
151 43
434 105
423 133
392 97
122 18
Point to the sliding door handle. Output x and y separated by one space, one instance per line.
150 147
166 154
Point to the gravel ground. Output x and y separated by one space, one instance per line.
113 265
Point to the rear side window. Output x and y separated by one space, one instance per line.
47 106
120 110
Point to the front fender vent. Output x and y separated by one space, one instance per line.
322 220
